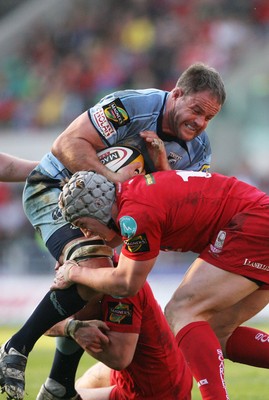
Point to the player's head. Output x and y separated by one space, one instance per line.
87 194
200 78
196 99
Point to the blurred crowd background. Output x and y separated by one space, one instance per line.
59 57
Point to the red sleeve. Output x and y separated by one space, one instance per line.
144 223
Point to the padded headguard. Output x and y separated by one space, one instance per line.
87 194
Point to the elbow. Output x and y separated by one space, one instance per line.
58 146
120 363
127 289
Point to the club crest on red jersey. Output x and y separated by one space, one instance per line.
219 242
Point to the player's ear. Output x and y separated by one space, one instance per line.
177 92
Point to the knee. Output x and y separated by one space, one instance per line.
182 310
170 312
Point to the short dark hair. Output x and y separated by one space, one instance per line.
199 78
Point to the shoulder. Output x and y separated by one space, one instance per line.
131 96
202 138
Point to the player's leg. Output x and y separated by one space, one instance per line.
41 206
95 377
95 384
243 344
204 291
60 383
61 379
54 307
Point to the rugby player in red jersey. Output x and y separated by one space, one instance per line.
221 218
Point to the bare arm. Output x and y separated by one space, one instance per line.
123 281
117 353
14 169
115 349
77 146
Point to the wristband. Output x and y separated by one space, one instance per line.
71 327
68 265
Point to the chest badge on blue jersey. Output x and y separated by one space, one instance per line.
128 226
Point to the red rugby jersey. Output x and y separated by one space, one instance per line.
158 370
179 210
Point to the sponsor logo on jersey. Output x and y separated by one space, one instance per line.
173 158
121 313
150 179
255 264
219 242
116 113
57 214
137 244
205 168
128 226
102 123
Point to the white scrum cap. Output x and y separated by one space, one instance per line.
87 194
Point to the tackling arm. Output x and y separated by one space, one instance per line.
117 353
115 349
123 281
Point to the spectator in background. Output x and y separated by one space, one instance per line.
142 46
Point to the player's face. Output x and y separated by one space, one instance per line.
189 115
90 227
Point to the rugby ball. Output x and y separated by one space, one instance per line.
117 157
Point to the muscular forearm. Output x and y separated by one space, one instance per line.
103 280
77 146
76 154
118 352
124 281
86 159
110 357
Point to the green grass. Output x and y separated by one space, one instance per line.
39 362
243 382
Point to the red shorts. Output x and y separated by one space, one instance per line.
123 389
242 246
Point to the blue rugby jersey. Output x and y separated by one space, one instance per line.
120 116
